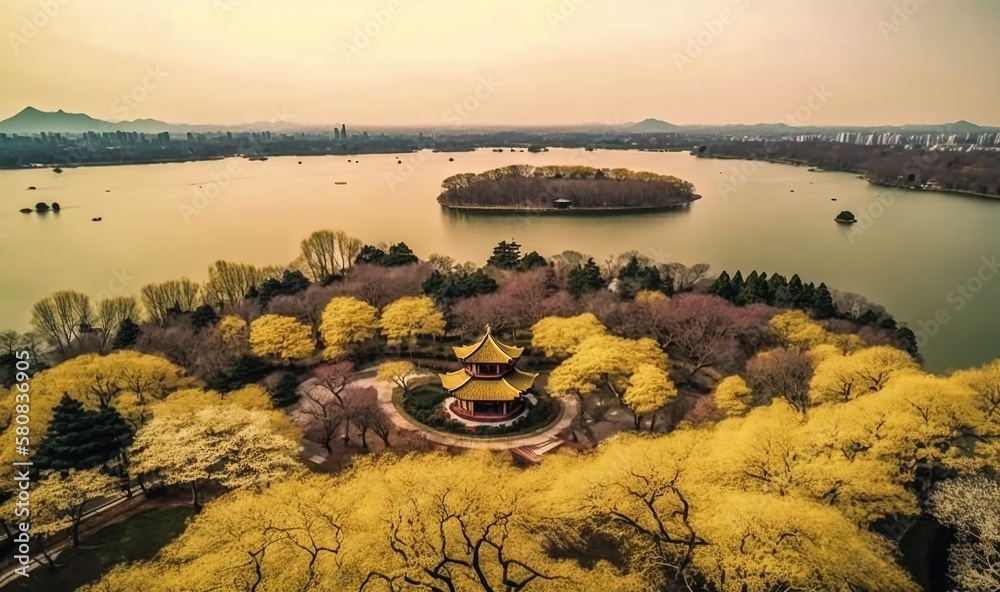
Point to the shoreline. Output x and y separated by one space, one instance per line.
861 173
580 211
211 158
955 191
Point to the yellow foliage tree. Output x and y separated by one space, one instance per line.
733 397
281 336
411 317
649 390
58 502
234 330
127 380
397 372
604 360
236 447
346 321
651 296
842 378
561 336
795 329
425 523
760 543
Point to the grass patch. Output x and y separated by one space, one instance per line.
426 397
134 539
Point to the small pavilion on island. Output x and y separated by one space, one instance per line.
490 387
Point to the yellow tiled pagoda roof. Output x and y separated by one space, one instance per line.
522 381
507 388
453 380
488 351
479 389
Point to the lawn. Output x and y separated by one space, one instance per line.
427 396
137 538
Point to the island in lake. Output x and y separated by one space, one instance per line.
528 188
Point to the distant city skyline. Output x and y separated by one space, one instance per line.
439 63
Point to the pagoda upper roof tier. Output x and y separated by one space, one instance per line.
469 388
488 351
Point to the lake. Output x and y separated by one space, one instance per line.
929 258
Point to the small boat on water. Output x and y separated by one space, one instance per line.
340 182
57 170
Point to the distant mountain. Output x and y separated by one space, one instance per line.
34 121
652 126
959 127
31 120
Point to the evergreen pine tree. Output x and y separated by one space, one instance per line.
505 255
888 323
293 282
246 370
777 287
584 278
754 290
398 256
111 431
868 318
370 255
808 297
268 290
128 333
285 392
907 341
434 284
203 316
796 293
80 439
738 283
823 303
634 277
531 261
723 287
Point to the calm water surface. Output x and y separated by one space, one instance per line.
171 220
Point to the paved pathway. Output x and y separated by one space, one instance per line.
568 405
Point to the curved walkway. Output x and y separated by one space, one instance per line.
569 407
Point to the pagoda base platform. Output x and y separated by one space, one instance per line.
482 419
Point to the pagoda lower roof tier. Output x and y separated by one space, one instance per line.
509 387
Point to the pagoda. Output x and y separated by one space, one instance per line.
489 387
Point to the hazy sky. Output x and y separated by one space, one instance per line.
863 62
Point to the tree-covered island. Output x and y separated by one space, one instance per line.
556 188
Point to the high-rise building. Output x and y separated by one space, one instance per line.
343 131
